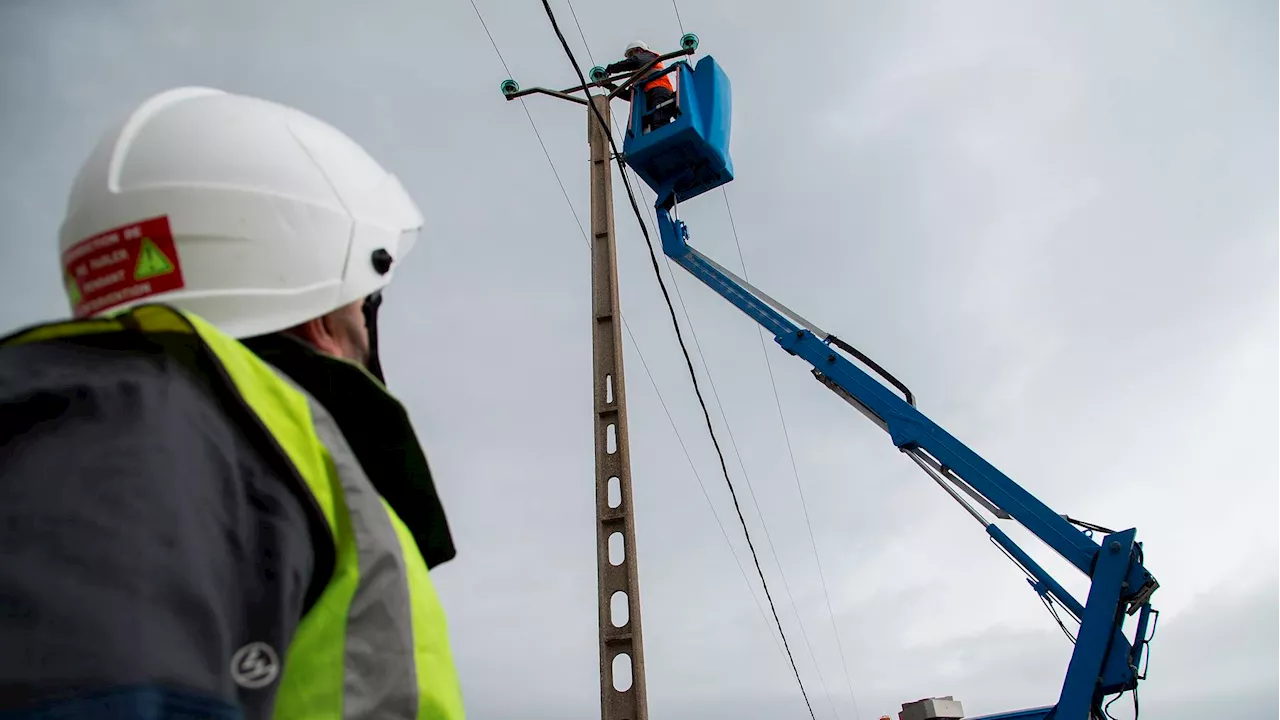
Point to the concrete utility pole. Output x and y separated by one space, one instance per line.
622 683
621 640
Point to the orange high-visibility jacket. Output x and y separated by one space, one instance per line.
664 81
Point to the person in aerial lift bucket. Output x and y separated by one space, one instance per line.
210 506
659 94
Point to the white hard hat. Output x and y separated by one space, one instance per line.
637 45
254 216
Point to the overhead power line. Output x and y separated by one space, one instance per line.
580 33
746 477
616 127
685 350
529 115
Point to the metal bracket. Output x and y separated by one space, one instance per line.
511 89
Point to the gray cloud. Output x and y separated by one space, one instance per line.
1056 222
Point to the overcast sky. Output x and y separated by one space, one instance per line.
1057 222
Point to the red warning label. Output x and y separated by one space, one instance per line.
121 265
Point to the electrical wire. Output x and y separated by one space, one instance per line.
635 343
580 33
795 472
733 445
703 487
685 350
678 20
528 114
1106 709
590 56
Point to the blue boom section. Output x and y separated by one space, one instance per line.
1105 661
690 155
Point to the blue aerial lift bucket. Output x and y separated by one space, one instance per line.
690 155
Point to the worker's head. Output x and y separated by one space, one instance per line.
636 47
257 217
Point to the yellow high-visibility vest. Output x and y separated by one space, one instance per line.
374 644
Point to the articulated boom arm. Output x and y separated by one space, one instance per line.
1104 662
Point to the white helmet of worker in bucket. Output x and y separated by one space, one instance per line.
637 45
257 217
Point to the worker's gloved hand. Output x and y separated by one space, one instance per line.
622 66
631 64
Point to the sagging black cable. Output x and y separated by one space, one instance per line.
653 257
1106 709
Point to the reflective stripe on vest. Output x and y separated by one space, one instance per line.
393 609
374 644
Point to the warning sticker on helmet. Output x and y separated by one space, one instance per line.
121 265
